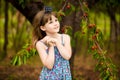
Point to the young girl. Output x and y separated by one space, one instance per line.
54 48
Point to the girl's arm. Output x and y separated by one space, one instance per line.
65 50
46 58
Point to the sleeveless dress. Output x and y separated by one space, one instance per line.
60 70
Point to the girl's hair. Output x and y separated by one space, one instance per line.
40 19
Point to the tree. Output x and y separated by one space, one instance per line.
28 8
25 9
111 8
5 31
33 7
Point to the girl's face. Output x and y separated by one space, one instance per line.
52 26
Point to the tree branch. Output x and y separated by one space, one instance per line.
30 9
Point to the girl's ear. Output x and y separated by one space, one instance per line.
42 28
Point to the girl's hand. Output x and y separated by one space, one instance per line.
50 42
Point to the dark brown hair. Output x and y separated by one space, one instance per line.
40 20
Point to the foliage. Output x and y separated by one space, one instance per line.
108 71
18 37
108 5
23 2
25 53
104 65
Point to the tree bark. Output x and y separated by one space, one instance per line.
5 31
30 9
113 30
74 21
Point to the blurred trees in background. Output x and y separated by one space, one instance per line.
108 8
16 30
112 9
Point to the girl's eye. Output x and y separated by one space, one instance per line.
50 22
56 19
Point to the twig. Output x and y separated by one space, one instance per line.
66 1
81 5
99 48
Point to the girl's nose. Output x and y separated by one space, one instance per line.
55 23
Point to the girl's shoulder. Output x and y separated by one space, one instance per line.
41 44
65 36
38 43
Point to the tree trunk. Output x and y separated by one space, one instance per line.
30 9
5 31
0 6
113 30
33 7
0 27
73 20
67 20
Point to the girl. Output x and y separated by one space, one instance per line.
54 48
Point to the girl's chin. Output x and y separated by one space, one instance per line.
54 32
57 30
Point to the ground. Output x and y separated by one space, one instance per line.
83 69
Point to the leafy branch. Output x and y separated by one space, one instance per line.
104 65
108 71
28 51
25 53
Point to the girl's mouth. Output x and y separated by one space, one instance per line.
56 27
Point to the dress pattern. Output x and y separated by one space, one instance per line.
60 70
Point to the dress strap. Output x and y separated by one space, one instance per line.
43 43
62 39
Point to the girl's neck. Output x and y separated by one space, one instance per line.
55 35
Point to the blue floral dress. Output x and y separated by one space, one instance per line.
60 70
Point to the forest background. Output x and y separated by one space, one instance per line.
81 19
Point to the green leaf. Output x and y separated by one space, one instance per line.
77 34
102 74
72 7
106 77
21 1
33 51
96 55
73 43
24 59
19 60
14 60
69 31
70 10
107 72
100 36
25 46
